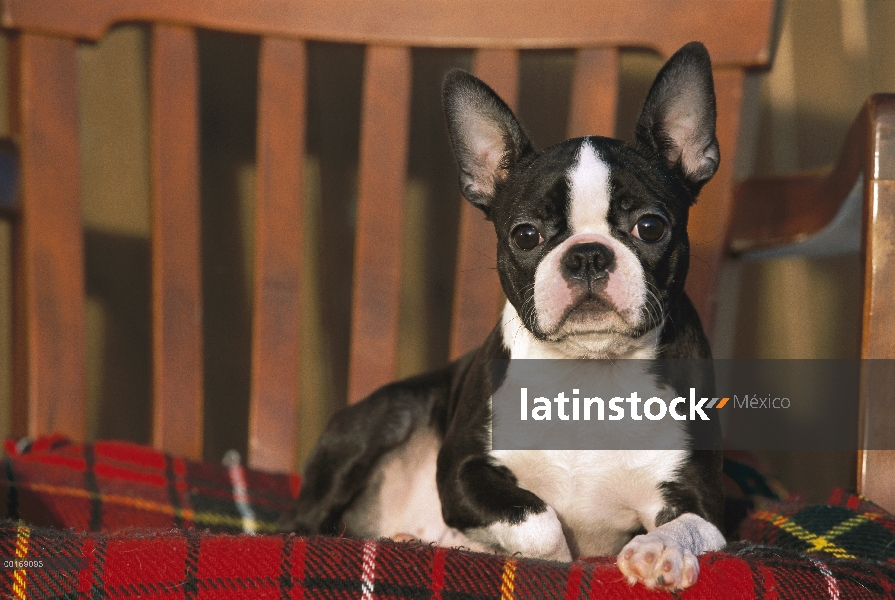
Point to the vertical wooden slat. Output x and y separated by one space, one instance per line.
278 217
594 92
380 214
710 218
49 296
19 401
876 457
477 292
175 238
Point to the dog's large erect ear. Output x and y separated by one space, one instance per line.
486 137
678 118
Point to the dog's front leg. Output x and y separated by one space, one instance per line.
482 500
666 556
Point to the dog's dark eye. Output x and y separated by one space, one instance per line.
649 228
526 237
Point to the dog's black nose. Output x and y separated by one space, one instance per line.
588 262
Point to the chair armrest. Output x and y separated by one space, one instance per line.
777 210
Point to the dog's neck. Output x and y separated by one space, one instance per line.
521 343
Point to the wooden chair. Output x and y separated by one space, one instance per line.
49 292
49 359
50 379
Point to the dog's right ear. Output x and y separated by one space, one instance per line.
486 137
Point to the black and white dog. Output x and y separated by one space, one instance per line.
592 254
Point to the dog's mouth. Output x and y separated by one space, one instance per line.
593 313
590 306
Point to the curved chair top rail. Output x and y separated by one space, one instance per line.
736 33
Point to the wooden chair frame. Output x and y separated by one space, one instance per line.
50 365
784 209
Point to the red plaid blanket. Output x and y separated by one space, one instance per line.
107 486
104 486
190 564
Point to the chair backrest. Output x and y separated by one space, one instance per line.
50 372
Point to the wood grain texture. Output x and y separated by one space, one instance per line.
734 32
177 423
50 337
478 295
876 467
273 408
380 220
710 218
594 93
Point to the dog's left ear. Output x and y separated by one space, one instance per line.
678 118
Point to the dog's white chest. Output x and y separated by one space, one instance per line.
601 496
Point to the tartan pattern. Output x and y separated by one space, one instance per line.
849 526
106 486
191 564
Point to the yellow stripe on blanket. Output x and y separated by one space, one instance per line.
23 535
200 518
507 586
818 543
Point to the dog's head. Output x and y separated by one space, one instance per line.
592 243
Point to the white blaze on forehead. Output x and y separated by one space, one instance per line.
589 192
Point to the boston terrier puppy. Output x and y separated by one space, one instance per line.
592 253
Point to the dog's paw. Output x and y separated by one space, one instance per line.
538 536
658 561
